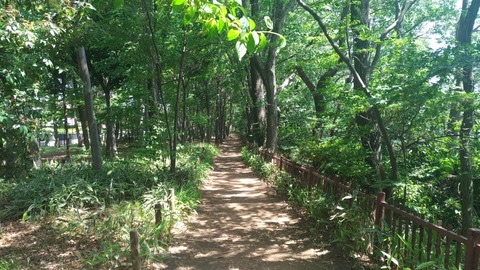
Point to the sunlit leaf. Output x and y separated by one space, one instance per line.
220 25
190 14
241 49
252 24
250 43
233 34
268 22
262 41
283 42
179 3
245 24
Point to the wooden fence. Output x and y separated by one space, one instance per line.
400 234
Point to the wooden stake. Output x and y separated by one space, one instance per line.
135 250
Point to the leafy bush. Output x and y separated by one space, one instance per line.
336 156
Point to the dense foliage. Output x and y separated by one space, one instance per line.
381 93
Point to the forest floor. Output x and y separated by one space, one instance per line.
242 224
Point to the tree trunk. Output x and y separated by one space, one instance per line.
92 122
219 117
317 92
156 59
464 38
173 151
83 122
272 112
77 132
184 128
55 133
257 105
267 71
65 116
109 140
209 114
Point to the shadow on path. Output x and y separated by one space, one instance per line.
242 225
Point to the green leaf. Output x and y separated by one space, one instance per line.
118 4
262 41
180 3
250 43
220 25
268 22
283 42
252 24
233 34
189 14
245 24
177 8
241 49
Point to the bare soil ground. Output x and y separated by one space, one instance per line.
241 224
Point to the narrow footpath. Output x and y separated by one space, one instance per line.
241 225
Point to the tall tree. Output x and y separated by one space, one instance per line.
267 69
465 28
95 147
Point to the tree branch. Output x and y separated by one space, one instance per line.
305 78
389 29
335 47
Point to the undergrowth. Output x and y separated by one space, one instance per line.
353 225
316 203
320 207
105 206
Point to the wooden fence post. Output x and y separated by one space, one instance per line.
135 250
281 163
158 214
171 199
472 252
158 218
379 215
336 192
309 176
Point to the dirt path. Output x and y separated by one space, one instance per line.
242 225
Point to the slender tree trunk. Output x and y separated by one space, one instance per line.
77 132
82 115
209 114
272 112
109 140
230 118
257 105
219 115
173 154
156 59
55 134
92 122
184 112
65 116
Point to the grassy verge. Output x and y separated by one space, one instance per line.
104 206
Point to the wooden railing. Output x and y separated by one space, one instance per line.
402 235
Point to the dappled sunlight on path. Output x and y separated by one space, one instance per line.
241 224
